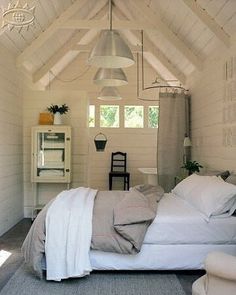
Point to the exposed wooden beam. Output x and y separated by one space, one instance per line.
155 19
116 24
98 11
88 48
58 55
44 36
208 21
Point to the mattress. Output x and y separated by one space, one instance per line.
179 223
158 257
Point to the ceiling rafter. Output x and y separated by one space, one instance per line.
152 48
58 55
209 21
89 47
118 24
98 11
155 19
44 36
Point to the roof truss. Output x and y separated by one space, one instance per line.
208 21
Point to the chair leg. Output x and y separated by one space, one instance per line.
110 182
124 183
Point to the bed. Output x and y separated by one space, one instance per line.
193 220
179 238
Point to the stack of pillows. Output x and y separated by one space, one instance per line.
210 195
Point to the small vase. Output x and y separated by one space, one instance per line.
57 119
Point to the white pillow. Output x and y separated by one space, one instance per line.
191 186
209 194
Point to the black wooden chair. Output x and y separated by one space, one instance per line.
118 169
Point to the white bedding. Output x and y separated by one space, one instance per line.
179 223
179 238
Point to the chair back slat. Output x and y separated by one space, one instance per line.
118 162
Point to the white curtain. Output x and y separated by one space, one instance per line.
172 127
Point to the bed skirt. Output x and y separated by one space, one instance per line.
159 257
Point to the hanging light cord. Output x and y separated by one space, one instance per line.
110 14
70 80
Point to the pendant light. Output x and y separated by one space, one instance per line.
111 51
110 77
109 93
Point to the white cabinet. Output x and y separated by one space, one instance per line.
50 160
51 154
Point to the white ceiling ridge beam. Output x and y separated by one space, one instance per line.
105 24
159 55
89 47
209 21
156 20
44 36
64 49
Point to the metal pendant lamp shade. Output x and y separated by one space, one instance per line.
110 77
109 93
111 51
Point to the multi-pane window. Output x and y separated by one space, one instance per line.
109 116
92 116
133 116
153 112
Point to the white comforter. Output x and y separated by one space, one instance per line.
69 233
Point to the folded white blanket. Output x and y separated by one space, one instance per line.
69 233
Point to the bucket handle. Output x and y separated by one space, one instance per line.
100 133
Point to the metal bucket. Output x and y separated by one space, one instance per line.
100 141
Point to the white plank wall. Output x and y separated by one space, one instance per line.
208 104
11 146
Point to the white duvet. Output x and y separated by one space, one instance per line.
69 233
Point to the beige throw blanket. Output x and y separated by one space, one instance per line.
120 221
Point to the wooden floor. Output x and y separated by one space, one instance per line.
13 239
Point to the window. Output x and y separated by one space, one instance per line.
92 116
153 113
133 116
109 116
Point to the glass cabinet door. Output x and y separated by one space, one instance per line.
51 154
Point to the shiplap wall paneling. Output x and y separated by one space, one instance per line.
11 146
214 113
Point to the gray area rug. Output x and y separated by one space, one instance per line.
98 283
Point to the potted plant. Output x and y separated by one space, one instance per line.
54 108
192 166
57 111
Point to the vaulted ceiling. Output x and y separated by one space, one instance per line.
178 34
